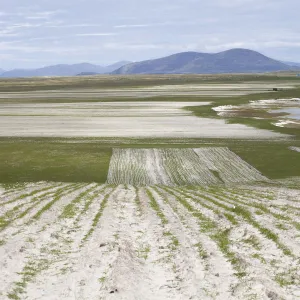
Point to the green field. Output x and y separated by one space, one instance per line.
87 159
27 160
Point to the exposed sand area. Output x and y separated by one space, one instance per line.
269 105
297 149
116 119
99 109
90 241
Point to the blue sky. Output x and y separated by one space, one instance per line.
105 31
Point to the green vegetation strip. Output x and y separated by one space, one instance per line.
246 215
137 201
31 194
70 210
58 195
29 272
185 193
35 160
202 253
221 237
12 215
97 217
236 199
90 198
87 160
261 208
155 206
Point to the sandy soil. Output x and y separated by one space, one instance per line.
297 149
90 241
138 119
269 106
99 109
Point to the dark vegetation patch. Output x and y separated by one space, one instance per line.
32 160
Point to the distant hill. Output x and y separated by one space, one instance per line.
2 71
87 74
230 61
293 64
63 70
116 66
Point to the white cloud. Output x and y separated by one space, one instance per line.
140 25
136 30
96 34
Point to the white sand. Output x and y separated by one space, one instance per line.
297 149
117 245
99 109
133 119
269 104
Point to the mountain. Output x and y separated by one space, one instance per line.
56 70
230 61
63 70
293 64
107 69
2 71
87 74
116 66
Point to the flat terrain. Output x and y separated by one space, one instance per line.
150 187
213 90
114 119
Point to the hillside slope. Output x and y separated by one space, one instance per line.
63 70
230 61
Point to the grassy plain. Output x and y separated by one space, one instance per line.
127 81
87 160
27 160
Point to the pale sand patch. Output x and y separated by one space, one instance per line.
117 119
156 247
297 149
139 127
99 109
258 104
287 123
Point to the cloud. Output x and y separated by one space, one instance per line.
43 15
96 34
50 31
140 25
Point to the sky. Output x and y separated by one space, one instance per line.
45 32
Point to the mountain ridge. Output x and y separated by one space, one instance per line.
230 61
293 64
62 70
236 60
